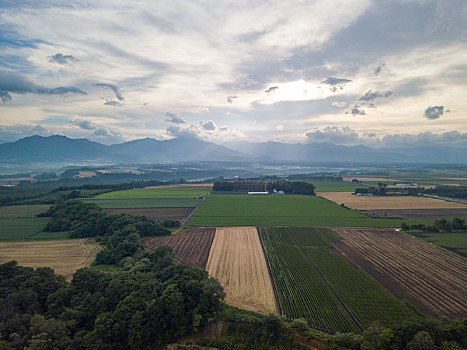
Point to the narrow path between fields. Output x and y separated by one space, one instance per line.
184 221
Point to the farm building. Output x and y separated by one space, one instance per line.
258 192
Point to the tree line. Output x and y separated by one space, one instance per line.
298 187
441 225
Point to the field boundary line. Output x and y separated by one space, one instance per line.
344 305
276 297
193 211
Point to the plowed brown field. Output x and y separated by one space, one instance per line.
191 247
428 276
388 202
64 256
237 260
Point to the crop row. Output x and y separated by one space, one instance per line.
366 299
301 290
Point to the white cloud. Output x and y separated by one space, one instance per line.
279 127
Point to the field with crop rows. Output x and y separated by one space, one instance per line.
276 210
301 290
154 213
366 299
155 192
431 278
16 228
191 247
456 242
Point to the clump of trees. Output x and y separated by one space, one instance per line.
298 187
441 225
120 234
149 303
448 191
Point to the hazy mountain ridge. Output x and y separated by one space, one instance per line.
61 148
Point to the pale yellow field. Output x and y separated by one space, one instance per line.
389 202
64 256
237 260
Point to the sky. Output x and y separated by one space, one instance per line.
389 73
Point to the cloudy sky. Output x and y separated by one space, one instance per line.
380 73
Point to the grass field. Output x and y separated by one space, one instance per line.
388 202
456 242
12 228
134 203
154 213
173 192
23 210
237 260
64 256
336 186
287 210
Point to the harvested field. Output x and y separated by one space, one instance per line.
237 260
64 256
155 213
429 277
191 247
420 214
388 202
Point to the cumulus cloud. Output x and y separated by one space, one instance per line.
333 134
108 136
82 124
338 104
209 125
434 112
115 89
15 84
173 118
356 110
279 127
205 130
271 90
14 132
373 95
231 98
62 59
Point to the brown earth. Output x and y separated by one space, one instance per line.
155 213
237 260
191 247
389 202
430 277
64 256
417 214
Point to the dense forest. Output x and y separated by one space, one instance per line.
264 186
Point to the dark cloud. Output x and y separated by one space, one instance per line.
11 83
83 124
373 95
334 134
114 88
5 96
357 111
173 118
231 98
62 59
336 83
434 112
379 68
108 136
208 125
112 103
271 90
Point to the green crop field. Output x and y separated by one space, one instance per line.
301 290
133 203
176 192
452 241
23 210
20 228
366 299
285 210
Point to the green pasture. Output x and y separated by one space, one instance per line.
456 241
285 210
20 228
176 192
23 210
135 203
336 186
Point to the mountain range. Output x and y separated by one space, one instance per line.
57 148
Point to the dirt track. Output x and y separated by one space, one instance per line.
237 260
64 256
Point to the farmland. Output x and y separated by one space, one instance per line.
388 202
237 261
135 203
457 242
16 228
421 214
301 290
275 210
428 276
157 192
155 213
64 256
336 186
191 247
23 210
